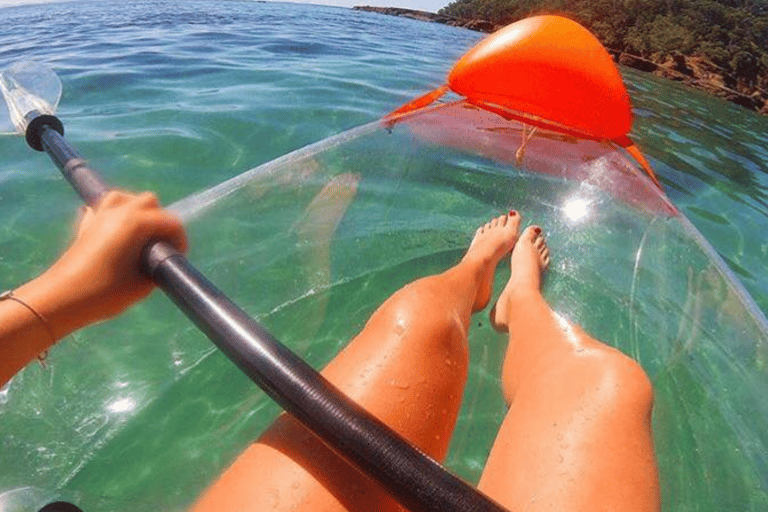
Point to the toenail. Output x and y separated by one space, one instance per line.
537 230
513 212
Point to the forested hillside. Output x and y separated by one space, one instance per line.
732 34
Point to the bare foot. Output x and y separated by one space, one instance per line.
530 258
492 242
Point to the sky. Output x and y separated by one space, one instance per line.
8 3
422 5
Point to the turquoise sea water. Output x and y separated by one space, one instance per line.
178 96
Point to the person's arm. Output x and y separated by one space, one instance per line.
98 277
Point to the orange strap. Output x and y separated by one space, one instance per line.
633 150
420 102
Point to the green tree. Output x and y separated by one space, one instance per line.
666 36
731 33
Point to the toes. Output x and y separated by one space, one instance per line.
545 256
531 233
506 220
512 219
542 248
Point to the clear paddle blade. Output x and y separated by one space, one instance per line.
27 87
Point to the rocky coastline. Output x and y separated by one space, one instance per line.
471 24
693 71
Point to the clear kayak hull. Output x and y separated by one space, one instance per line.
143 410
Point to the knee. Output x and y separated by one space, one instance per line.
419 306
621 380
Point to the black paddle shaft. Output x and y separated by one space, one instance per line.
413 478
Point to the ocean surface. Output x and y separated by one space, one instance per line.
177 97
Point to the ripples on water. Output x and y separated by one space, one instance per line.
179 96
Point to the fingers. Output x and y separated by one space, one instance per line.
113 199
155 223
144 213
117 198
148 200
168 227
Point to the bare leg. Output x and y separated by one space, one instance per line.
408 367
578 432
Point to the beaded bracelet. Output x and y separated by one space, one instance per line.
8 295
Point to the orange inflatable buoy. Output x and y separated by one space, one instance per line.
551 68
548 68
548 71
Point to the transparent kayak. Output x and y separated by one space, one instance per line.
142 413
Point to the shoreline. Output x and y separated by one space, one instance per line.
694 71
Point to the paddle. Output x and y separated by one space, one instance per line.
418 482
